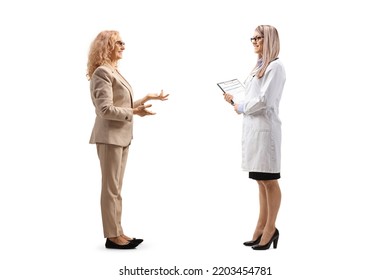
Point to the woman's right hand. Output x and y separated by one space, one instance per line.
228 97
142 111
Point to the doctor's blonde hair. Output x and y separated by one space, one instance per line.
100 50
271 46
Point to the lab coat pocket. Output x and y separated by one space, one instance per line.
260 125
257 151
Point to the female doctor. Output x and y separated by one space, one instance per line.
261 134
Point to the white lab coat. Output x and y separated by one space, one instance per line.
261 130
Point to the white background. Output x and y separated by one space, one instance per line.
184 191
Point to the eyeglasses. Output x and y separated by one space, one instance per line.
120 43
255 39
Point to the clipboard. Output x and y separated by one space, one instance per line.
233 87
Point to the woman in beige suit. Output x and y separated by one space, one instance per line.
112 133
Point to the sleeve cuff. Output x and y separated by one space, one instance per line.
240 108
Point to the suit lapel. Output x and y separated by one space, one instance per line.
122 80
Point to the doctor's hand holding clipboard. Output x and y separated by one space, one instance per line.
229 98
234 91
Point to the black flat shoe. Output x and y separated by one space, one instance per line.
274 239
113 245
252 242
136 241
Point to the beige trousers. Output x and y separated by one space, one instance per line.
112 163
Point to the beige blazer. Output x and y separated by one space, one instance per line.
112 97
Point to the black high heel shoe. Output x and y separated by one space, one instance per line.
274 239
253 242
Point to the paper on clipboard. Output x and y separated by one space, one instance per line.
235 88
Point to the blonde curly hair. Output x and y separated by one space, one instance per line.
100 50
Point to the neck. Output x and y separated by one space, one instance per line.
113 64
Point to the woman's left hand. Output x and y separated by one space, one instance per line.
157 96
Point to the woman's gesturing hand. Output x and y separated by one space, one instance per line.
142 110
157 96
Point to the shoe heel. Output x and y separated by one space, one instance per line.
276 242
